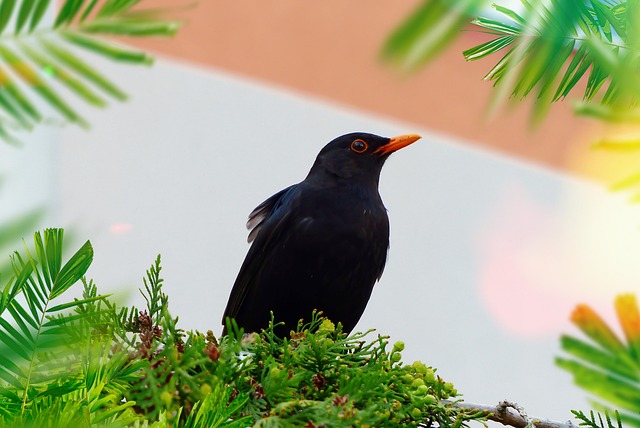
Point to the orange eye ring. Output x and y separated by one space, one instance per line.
359 146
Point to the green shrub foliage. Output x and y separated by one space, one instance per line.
86 362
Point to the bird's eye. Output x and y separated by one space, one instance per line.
359 146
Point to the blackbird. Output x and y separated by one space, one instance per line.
319 244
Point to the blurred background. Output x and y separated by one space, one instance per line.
498 228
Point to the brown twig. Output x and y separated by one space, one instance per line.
511 414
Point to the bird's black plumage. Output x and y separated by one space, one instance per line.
319 244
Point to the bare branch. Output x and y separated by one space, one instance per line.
511 414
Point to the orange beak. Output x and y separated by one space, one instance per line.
397 143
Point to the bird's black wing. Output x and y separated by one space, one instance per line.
274 213
264 210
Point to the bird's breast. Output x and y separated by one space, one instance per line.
346 229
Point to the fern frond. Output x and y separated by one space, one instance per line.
544 50
427 31
558 43
40 63
609 366
25 327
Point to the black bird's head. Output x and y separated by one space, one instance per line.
357 157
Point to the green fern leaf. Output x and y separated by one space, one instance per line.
427 31
88 10
112 7
608 367
549 48
68 12
82 23
71 82
83 69
107 49
17 96
488 48
32 78
133 27
38 13
73 270
577 68
41 279
23 14
6 10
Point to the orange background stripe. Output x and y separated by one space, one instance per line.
330 49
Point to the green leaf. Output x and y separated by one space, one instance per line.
603 24
598 422
74 269
577 68
615 390
107 49
597 77
13 110
607 112
112 7
31 78
76 85
629 319
555 64
68 12
10 378
59 321
52 253
34 298
83 69
488 48
592 325
549 77
42 284
38 13
17 96
611 95
14 345
110 412
511 14
22 314
6 9
599 358
67 387
533 69
26 8
18 318
606 18
77 22
15 335
497 27
15 287
75 303
133 27
6 136
499 69
10 366
541 41
88 10
607 368
625 419
427 31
